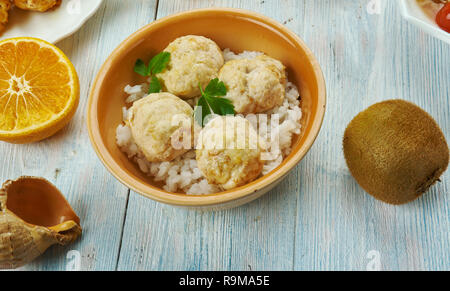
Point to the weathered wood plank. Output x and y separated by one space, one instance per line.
259 236
366 59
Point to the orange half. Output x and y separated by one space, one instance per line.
39 90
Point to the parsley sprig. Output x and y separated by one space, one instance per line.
211 102
156 66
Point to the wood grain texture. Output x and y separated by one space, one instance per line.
318 218
68 159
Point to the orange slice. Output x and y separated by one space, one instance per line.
39 90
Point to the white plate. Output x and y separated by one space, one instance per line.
412 12
51 26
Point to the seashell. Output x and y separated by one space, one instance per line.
34 215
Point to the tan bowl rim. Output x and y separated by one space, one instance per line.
160 195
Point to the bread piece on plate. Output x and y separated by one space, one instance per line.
37 5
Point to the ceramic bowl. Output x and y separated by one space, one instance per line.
412 12
238 30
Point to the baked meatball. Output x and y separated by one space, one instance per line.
229 152
158 122
194 61
254 85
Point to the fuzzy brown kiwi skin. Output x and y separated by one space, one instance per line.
395 151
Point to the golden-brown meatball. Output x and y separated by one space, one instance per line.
5 5
37 5
229 152
194 60
159 123
254 85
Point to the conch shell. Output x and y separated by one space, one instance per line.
34 215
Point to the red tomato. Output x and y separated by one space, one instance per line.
443 17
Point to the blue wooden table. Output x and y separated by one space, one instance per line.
318 218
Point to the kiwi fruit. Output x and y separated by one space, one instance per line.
395 151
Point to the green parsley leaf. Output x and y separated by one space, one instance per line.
201 111
215 88
159 63
156 65
141 68
212 103
155 86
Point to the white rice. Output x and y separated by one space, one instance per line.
182 174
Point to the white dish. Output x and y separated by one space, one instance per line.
51 26
412 12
